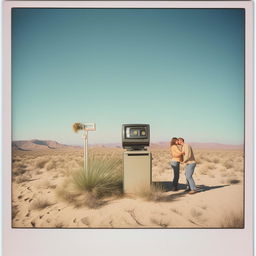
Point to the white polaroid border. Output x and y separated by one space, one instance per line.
66 242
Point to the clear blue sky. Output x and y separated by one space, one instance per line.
180 70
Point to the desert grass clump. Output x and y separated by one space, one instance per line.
40 162
18 171
210 166
215 160
102 178
51 165
233 220
203 171
154 193
40 204
23 178
69 192
228 164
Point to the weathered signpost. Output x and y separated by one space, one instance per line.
86 127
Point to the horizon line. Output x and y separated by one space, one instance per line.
120 143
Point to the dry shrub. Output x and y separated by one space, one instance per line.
228 164
67 191
71 194
239 169
199 161
19 171
155 193
23 178
20 164
210 166
51 165
46 184
240 159
233 220
203 171
40 163
215 160
40 204
39 172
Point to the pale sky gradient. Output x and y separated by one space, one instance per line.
179 70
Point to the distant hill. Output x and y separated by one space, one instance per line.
30 145
198 145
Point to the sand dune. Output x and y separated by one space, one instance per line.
38 175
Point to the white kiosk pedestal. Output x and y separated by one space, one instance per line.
137 174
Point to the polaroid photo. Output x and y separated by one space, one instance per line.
128 128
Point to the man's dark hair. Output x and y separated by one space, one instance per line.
173 141
181 139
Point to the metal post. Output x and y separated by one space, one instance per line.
86 149
85 136
86 127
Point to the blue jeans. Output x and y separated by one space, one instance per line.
189 170
176 168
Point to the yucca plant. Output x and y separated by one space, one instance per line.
103 176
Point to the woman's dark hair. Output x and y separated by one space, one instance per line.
173 141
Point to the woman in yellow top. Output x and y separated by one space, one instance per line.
176 158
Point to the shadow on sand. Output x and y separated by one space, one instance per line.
167 186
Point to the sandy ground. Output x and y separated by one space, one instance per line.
219 174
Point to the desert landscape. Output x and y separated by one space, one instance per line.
50 190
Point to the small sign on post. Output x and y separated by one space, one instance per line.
85 127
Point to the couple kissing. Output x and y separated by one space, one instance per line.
182 153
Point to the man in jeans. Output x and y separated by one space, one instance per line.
189 160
